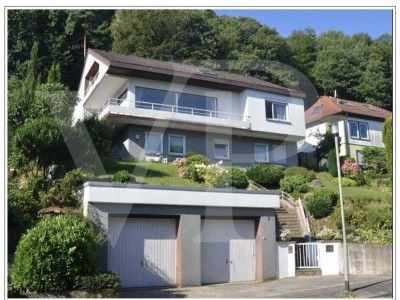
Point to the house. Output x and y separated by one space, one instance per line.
162 235
166 109
359 124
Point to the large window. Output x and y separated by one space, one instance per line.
276 111
177 144
154 143
176 102
358 130
261 152
221 149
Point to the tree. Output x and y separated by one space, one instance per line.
387 133
325 144
376 82
54 75
375 158
39 143
164 34
340 63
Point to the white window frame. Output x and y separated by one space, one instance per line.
161 144
267 152
357 124
184 144
273 110
359 131
222 142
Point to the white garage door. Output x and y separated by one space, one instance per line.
227 251
143 251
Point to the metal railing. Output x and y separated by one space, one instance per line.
257 186
287 197
172 108
304 218
91 82
307 255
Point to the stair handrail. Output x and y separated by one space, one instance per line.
303 217
289 198
259 187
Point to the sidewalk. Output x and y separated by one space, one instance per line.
361 286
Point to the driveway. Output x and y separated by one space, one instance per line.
362 286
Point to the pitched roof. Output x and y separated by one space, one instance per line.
329 106
130 64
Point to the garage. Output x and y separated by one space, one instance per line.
142 251
227 251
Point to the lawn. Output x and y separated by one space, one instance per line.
356 193
149 172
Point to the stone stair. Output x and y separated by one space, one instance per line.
287 219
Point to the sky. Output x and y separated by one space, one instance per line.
375 22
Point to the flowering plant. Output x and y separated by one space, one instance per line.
214 175
350 169
285 235
326 234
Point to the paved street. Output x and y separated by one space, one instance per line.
361 286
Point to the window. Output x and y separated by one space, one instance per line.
221 149
316 109
173 101
359 157
177 144
261 152
358 130
154 144
276 111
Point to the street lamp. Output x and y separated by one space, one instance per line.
335 132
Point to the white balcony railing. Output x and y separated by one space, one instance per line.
91 82
171 109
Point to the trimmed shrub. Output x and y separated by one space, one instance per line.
51 255
238 178
123 177
332 163
321 203
300 171
294 183
214 176
266 175
94 283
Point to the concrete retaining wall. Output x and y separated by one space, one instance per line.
368 259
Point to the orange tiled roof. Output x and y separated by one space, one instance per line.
328 106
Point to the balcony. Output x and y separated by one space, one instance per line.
125 108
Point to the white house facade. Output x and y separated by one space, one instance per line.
359 124
168 109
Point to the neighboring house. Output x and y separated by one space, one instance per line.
168 109
360 124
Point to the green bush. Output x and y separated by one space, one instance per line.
191 171
346 181
387 133
189 154
50 255
321 203
266 175
332 163
300 171
294 183
123 177
62 192
24 201
238 178
94 283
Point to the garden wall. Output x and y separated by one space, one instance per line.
368 259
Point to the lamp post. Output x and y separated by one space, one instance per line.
335 132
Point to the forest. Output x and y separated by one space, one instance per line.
358 67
